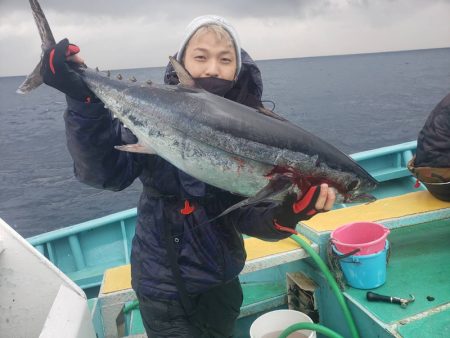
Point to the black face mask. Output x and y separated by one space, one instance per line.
215 85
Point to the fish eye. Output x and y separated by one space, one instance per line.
353 185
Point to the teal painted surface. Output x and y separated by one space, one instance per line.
258 292
86 250
436 325
96 316
136 326
91 303
419 265
387 163
89 225
389 167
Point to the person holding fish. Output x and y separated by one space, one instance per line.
185 261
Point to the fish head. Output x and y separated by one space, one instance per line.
358 190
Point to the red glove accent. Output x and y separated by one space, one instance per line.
50 61
304 204
64 75
72 50
291 210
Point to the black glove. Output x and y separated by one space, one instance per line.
291 210
61 74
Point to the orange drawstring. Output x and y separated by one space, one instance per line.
283 228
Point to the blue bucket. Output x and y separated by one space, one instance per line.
364 271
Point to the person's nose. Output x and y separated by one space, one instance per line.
212 69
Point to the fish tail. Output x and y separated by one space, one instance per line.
34 79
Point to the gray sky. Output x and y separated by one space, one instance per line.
142 33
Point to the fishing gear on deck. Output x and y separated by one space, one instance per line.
375 297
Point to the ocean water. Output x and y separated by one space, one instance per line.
355 102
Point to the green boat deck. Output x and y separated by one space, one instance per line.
418 265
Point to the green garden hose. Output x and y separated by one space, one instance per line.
310 326
334 287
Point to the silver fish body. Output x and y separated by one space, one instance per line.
223 143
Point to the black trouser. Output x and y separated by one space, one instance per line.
215 314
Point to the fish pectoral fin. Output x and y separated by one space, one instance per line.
278 184
183 75
135 148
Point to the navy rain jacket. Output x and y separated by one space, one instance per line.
207 255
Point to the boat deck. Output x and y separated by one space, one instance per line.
417 266
405 208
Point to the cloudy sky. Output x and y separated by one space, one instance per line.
142 33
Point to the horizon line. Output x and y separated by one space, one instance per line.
286 58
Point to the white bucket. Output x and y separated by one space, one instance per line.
271 324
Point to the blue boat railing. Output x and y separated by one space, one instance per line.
387 163
84 251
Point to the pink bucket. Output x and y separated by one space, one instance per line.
368 237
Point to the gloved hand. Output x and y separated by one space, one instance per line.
291 210
61 74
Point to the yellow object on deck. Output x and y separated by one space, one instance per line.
116 279
257 248
386 208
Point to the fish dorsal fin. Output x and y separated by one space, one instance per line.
183 75
270 113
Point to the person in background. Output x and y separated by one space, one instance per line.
184 275
431 164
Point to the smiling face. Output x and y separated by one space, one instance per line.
211 53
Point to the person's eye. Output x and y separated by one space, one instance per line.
226 60
200 57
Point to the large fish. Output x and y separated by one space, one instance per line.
250 152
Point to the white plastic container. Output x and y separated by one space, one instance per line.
271 324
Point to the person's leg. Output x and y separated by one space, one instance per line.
218 309
165 318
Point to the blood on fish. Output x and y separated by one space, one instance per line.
303 182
